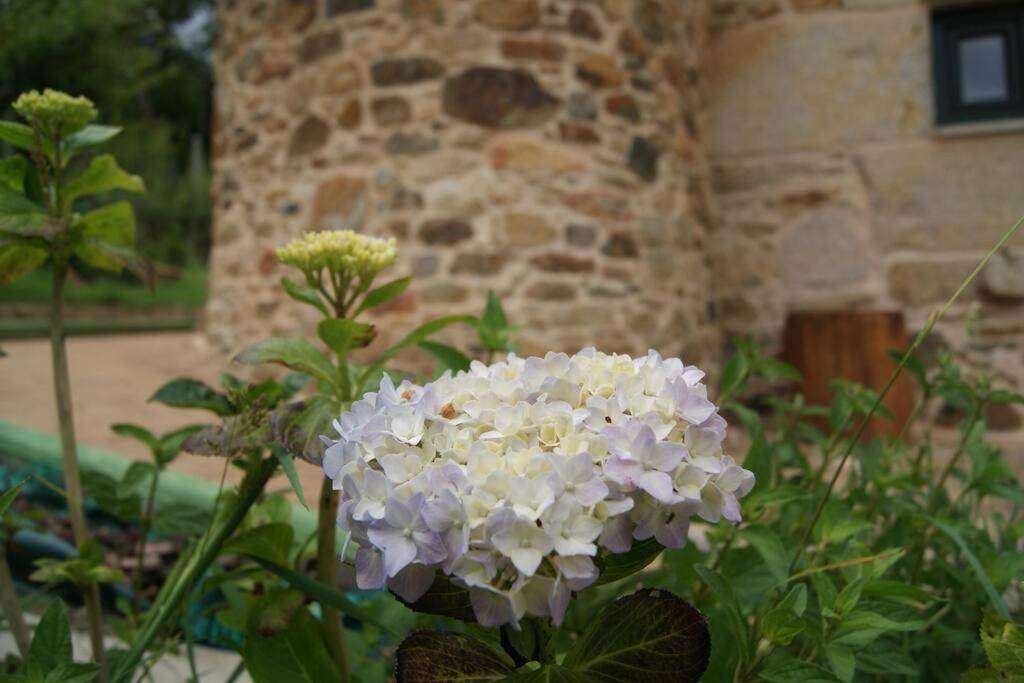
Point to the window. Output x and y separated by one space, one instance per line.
979 64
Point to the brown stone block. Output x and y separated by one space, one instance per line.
445 231
508 15
598 70
540 50
582 23
479 263
555 262
930 282
517 229
498 98
572 131
391 111
339 203
310 136
523 153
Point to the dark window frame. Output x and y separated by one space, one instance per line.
951 26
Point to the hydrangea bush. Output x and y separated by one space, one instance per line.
513 478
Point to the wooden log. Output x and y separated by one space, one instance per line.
850 345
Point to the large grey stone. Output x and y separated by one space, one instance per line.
826 79
941 194
826 248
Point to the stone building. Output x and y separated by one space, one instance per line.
627 173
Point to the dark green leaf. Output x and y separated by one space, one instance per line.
295 353
51 644
113 223
140 434
734 375
783 622
89 136
986 583
795 671
842 661
17 134
774 369
890 662
323 594
771 549
297 655
170 444
650 635
450 358
862 627
191 393
303 294
343 335
19 215
12 173
383 294
548 673
426 657
18 259
615 566
445 599
102 175
9 495
726 597
180 519
494 314
288 467
81 672
271 542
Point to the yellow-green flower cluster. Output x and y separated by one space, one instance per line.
339 251
55 111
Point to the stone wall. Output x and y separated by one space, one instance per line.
548 149
836 190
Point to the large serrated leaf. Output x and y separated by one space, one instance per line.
102 175
615 566
190 393
51 644
650 636
292 352
426 657
297 655
445 599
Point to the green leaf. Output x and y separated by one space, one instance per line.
900 592
180 519
848 597
450 358
794 671
18 259
292 352
548 673
89 136
726 598
191 393
734 375
140 434
102 175
1004 644
113 224
771 549
323 594
862 627
615 566
19 215
12 173
170 443
986 583
9 495
774 369
444 599
890 662
343 334
297 655
425 330
303 294
383 294
271 542
650 635
494 314
842 661
21 136
427 657
783 622
51 644
73 672
288 466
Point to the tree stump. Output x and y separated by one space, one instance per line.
850 345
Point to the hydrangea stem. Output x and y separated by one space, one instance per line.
12 608
72 477
326 573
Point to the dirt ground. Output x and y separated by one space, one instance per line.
112 379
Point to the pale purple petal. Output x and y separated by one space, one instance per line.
591 492
413 582
491 608
674 533
616 535
370 573
431 549
658 484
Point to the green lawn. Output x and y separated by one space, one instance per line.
189 290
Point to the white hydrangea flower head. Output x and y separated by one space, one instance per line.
512 478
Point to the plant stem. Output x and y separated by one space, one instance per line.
140 554
933 319
72 477
173 593
12 608
326 573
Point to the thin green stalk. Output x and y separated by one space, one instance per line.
932 320
327 573
72 476
173 594
11 606
140 553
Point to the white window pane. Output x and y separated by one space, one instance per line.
983 69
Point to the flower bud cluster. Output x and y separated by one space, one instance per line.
54 111
339 251
514 478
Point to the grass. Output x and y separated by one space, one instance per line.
188 291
